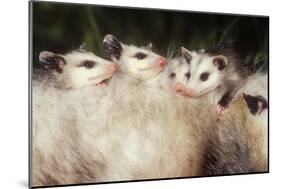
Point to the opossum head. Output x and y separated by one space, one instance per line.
196 73
138 61
78 68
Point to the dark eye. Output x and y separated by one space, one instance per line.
187 75
172 75
140 55
204 76
88 64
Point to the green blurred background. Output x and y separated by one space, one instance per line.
62 27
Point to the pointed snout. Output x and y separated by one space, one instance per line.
180 88
161 61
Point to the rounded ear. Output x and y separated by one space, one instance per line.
51 60
186 54
149 45
113 47
220 61
256 104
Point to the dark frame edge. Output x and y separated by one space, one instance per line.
30 61
147 8
150 180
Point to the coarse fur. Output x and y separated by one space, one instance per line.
240 145
58 155
57 149
217 72
236 145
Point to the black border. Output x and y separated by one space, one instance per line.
30 71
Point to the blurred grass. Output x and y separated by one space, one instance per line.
63 27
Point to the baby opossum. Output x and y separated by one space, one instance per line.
216 71
76 69
140 62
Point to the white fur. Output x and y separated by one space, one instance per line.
200 62
142 69
134 129
74 75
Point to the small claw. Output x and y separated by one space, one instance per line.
221 109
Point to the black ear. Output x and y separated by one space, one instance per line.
149 45
113 47
51 60
186 54
220 61
256 104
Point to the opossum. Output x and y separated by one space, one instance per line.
217 72
58 155
76 69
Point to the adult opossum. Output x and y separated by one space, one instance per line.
57 154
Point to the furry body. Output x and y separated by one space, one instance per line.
240 145
135 129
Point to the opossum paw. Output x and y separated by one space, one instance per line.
221 109
102 85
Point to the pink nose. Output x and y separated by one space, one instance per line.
161 61
179 87
113 67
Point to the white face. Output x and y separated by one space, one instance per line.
195 76
141 62
80 69
138 61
